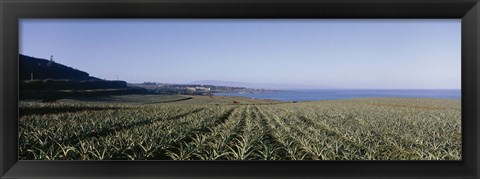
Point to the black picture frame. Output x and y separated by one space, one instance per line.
466 10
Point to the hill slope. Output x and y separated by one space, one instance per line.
45 69
41 74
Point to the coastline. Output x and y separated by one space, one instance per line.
332 94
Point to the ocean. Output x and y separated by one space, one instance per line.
331 94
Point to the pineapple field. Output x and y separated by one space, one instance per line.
182 127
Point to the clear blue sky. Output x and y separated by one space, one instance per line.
368 54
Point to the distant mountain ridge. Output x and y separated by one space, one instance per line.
221 83
271 86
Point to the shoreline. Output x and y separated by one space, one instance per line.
335 98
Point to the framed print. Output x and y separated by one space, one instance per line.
246 89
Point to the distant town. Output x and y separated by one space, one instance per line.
197 89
